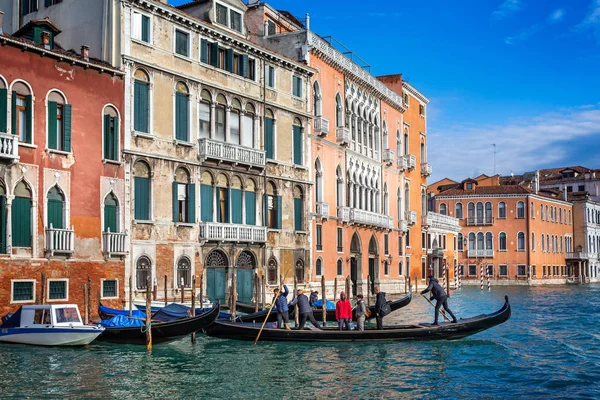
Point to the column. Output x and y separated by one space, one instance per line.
227 120
213 122
9 200
256 133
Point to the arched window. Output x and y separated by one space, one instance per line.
59 122
560 217
273 207
141 191
488 213
386 200
184 197
502 241
236 200
548 249
502 210
520 241
340 267
184 272
543 244
204 115
399 204
458 210
386 268
405 141
542 212
248 139
298 209
406 197
339 111
460 242
423 202
386 144
339 187
56 207
480 213
489 241
532 239
318 181
532 210
423 159
398 144
269 140
235 122
182 113
111 213
110 137
316 99
272 271
298 142
22 111
319 267
222 199
299 271
443 209
520 209
480 241
220 118
141 101
206 197
21 216
142 272
472 245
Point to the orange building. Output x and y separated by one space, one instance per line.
511 233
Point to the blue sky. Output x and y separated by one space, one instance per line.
523 74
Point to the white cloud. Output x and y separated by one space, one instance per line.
523 35
507 8
556 15
522 145
591 22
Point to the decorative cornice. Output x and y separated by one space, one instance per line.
337 59
415 92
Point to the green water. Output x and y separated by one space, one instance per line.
548 349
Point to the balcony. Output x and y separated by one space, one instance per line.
480 253
227 152
403 226
321 126
322 210
479 221
223 232
442 222
342 135
402 163
388 156
411 161
9 147
425 169
60 241
343 213
437 253
114 244
579 255
411 217
362 217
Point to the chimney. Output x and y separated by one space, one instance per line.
266 31
1 16
537 182
565 193
307 22
85 52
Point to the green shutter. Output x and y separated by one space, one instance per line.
107 143
278 208
250 208
236 206
269 137
181 117
115 139
52 137
227 205
21 222
244 69
191 197
145 29
214 54
142 199
297 133
141 94
55 214
229 60
3 224
204 50
3 110
67 128
28 118
37 35
13 113
206 202
175 203
298 215
266 209
110 218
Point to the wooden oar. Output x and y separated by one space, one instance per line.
269 312
441 311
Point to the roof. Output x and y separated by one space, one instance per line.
289 16
549 176
37 22
486 190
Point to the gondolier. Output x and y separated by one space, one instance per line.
379 303
304 309
439 294
281 306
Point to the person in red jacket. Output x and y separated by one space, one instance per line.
343 312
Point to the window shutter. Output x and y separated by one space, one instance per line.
269 137
229 60
37 35
175 203
266 209
21 222
107 143
110 218
13 113
142 199
228 205
3 110
55 214
236 206
145 29
278 209
214 54
206 201
67 127
181 117
141 103
298 214
115 139
3 224
250 208
191 197
272 76
297 144
218 204
52 138
204 50
244 69
29 118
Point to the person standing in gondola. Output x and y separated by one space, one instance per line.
361 313
281 306
314 296
439 294
304 309
379 303
343 312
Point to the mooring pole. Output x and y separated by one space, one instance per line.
256 291
165 289
324 299
130 296
148 313
89 300
85 306
194 304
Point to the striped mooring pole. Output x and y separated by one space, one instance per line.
460 272
487 275
481 275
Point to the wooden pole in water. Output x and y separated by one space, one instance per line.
416 285
348 295
335 289
296 313
368 290
130 296
165 289
264 292
85 306
324 299
194 304
43 288
89 299
201 296
256 291
148 313
154 289
233 293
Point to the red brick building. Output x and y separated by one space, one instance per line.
61 177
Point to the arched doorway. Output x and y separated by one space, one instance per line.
216 265
245 265
355 256
373 261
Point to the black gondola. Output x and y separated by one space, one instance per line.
246 307
163 331
318 312
420 332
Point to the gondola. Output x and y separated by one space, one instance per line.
318 312
419 332
246 307
163 331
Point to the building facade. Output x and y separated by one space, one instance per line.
584 259
61 176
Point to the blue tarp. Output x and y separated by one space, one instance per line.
13 321
174 311
113 311
319 304
121 321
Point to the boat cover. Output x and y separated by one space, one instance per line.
13 321
113 311
121 321
174 311
319 303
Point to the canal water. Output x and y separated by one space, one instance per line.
550 348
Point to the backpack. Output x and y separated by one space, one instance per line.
385 310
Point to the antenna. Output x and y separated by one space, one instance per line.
494 145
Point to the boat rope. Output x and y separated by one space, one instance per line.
143 328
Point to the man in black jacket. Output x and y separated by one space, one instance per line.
438 293
379 303
304 309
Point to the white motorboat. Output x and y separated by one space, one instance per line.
48 325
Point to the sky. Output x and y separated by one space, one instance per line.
521 74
